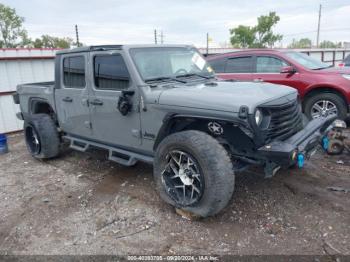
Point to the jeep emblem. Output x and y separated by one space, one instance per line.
215 128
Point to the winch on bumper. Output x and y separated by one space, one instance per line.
296 148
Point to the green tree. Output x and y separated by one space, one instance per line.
260 35
52 42
265 36
11 29
329 44
242 36
38 43
25 40
301 43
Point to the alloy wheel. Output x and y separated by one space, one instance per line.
33 140
182 178
323 108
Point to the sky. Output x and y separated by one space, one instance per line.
182 21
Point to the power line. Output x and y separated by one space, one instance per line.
323 30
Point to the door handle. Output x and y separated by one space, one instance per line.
258 80
67 99
96 102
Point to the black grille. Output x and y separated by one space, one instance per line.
286 120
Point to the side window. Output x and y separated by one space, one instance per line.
110 72
347 60
239 65
74 72
268 64
218 65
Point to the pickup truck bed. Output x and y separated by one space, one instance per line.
41 91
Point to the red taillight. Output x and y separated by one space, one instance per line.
341 65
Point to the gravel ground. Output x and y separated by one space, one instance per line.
83 204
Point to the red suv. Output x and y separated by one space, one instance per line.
323 89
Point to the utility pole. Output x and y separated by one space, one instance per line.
161 37
207 44
319 26
77 35
155 36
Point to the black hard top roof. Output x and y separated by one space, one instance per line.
112 47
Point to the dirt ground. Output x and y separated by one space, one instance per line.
83 204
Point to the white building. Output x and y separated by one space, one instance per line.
18 66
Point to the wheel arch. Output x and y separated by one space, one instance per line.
324 89
42 106
173 123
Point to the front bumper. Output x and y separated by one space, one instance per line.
285 153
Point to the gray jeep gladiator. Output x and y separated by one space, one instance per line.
163 105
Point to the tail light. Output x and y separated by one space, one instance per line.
341 65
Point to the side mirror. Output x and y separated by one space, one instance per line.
124 102
287 70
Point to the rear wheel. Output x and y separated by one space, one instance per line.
41 136
325 104
193 172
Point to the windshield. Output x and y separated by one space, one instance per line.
169 62
307 61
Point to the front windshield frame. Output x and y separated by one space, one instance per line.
306 61
206 72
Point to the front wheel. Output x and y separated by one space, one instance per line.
193 172
325 104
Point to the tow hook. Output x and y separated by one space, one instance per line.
301 160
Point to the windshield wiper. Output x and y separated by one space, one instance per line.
165 78
195 74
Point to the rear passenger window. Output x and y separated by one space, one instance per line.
110 72
268 64
74 72
239 65
218 65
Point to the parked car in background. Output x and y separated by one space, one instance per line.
346 62
323 89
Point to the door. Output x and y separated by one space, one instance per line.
268 69
72 96
237 68
110 78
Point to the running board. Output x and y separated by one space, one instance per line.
78 145
121 156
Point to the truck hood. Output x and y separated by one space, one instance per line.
225 96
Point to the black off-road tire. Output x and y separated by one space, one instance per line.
334 98
47 136
214 163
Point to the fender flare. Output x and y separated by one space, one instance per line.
170 118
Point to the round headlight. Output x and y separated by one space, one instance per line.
258 117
